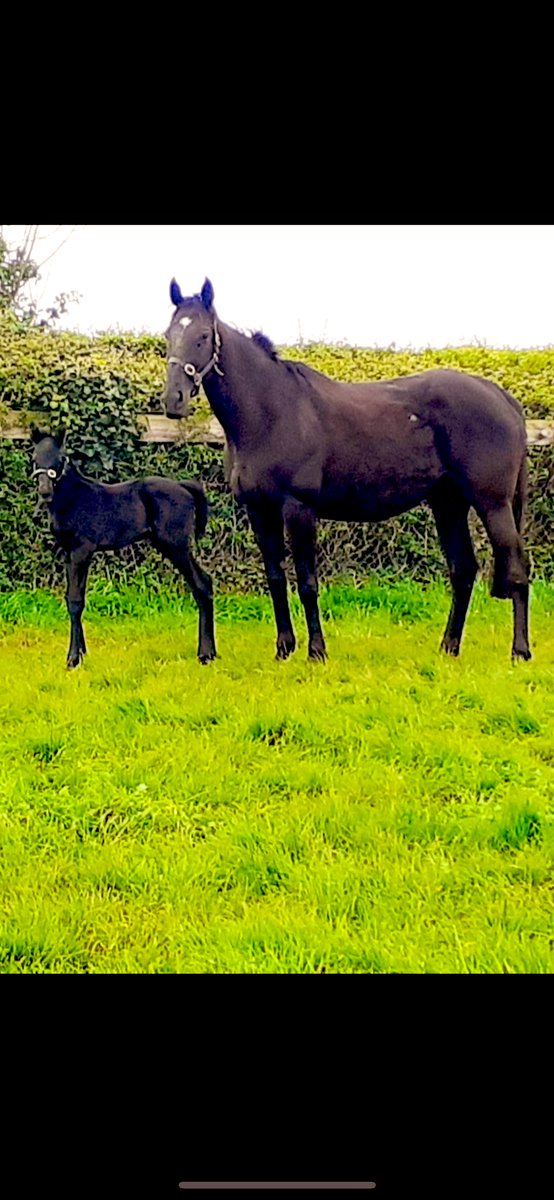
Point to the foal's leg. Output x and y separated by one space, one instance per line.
200 584
77 570
511 571
268 528
450 510
302 526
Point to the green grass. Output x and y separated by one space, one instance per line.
391 811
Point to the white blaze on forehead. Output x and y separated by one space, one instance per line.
185 321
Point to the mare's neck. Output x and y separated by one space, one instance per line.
242 398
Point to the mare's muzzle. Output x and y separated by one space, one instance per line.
181 387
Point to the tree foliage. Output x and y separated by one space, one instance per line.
19 270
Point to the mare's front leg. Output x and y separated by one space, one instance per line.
302 527
78 563
269 531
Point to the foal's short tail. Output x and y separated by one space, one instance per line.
200 503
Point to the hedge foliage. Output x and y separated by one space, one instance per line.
99 386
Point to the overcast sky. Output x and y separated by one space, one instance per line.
367 285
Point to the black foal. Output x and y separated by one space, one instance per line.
88 516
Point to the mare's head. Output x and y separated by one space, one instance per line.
192 347
49 460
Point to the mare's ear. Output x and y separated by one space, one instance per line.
175 293
207 295
59 437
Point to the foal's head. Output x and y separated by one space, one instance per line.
192 347
48 460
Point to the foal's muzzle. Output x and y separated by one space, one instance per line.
46 480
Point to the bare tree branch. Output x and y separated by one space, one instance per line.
43 261
20 271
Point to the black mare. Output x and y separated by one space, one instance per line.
302 447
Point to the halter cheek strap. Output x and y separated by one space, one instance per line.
193 372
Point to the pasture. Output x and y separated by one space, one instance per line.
390 811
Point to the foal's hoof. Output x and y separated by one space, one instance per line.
204 659
317 652
285 646
521 656
73 663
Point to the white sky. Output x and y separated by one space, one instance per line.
367 285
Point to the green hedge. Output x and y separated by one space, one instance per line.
98 386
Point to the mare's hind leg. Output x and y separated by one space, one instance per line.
268 528
78 563
521 647
520 602
302 527
200 584
511 571
450 510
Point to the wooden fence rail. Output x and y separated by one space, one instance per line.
154 429
209 433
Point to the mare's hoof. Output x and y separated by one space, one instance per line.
521 656
285 646
452 648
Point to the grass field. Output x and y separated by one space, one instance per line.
391 811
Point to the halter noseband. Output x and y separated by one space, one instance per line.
52 474
193 372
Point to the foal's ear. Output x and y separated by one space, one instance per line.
37 434
175 293
59 437
207 295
